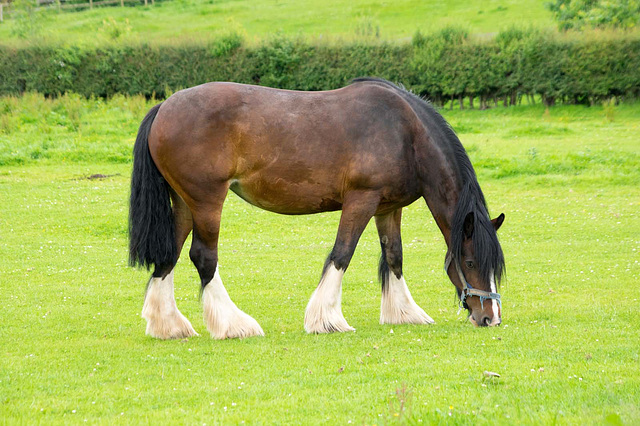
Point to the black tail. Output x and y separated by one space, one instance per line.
151 226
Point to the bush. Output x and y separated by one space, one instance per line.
448 65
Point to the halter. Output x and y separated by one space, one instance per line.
468 290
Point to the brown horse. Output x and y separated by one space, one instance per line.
368 149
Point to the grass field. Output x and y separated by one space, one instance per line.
258 19
72 340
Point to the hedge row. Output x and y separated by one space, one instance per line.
444 66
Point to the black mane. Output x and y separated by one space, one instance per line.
488 253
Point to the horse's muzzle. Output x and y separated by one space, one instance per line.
486 321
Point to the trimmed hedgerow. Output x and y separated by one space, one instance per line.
448 65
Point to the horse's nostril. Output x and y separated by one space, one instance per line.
486 321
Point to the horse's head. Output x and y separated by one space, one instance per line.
474 265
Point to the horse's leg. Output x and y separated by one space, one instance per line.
397 307
324 311
164 320
221 315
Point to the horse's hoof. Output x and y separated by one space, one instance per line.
407 318
174 326
337 324
240 326
408 314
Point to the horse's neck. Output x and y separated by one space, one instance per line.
436 165
441 189
442 207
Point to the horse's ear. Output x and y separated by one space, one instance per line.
468 225
497 222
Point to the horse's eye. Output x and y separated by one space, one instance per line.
469 264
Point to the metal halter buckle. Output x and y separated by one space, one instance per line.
468 290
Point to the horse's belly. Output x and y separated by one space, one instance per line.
281 196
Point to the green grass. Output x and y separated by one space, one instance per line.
259 19
72 340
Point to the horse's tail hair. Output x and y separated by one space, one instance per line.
151 224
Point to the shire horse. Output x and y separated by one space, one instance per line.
368 149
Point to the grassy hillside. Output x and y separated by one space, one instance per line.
257 19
